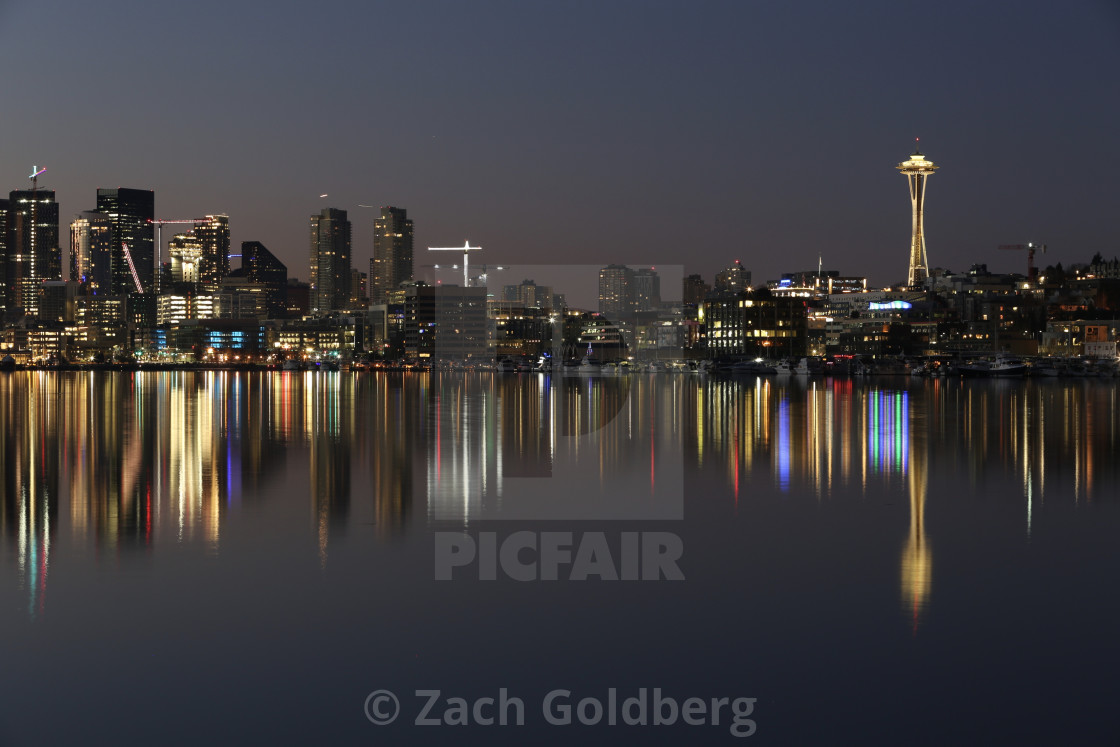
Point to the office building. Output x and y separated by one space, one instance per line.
330 261
262 266
32 247
130 214
213 236
91 243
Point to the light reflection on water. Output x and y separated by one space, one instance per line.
130 463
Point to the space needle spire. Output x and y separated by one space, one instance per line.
917 170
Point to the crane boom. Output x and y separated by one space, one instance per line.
132 268
1032 271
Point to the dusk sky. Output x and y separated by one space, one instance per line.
586 132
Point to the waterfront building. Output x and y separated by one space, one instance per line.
755 325
446 322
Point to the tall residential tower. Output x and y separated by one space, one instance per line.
392 262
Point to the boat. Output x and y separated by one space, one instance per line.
292 364
793 367
656 367
589 365
1002 367
752 368
505 365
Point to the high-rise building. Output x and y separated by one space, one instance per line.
733 280
91 243
917 170
646 285
32 246
330 261
694 290
213 235
616 293
392 262
262 266
3 257
529 295
130 213
185 251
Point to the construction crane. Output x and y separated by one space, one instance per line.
1032 271
158 223
132 268
481 277
465 249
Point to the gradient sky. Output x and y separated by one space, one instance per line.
586 132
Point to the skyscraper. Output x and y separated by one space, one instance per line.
32 246
917 170
330 260
392 262
261 266
214 264
695 289
616 292
733 280
3 257
91 243
646 286
130 211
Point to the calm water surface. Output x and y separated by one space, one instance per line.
198 557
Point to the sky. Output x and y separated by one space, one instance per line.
644 132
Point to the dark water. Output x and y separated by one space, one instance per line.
193 558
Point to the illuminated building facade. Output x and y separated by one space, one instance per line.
392 262
130 214
185 251
213 237
91 244
616 291
330 261
917 170
735 279
32 246
751 325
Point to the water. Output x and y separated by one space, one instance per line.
244 557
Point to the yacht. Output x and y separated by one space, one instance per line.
793 367
505 365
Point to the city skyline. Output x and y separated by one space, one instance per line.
664 132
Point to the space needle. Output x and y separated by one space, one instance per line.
917 170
